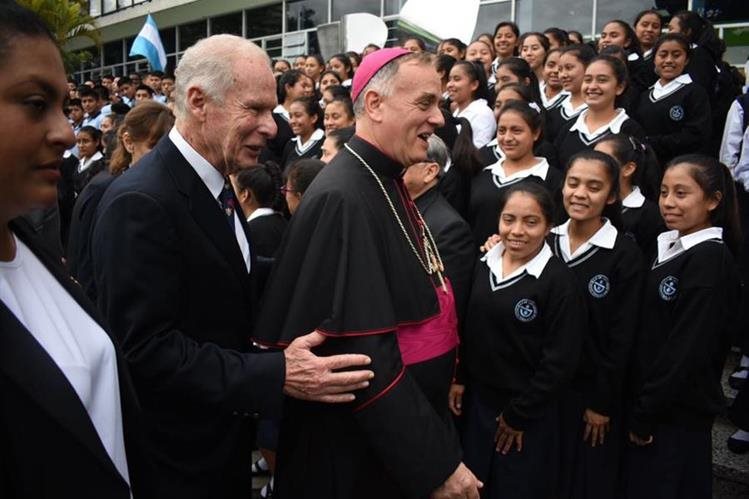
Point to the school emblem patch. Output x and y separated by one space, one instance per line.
668 288
676 113
599 286
526 310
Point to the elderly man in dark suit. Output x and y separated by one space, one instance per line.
175 270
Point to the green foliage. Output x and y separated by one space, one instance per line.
68 20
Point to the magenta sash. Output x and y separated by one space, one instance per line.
436 336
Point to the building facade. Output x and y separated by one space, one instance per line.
288 28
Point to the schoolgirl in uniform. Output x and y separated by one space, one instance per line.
468 92
481 52
533 48
704 47
454 48
648 25
314 65
552 92
690 307
675 112
329 78
572 63
341 65
609 271
339 113
517 70
306 120
523 331
519 128
638 171
90 158
618 33
605 79
292 85
506 35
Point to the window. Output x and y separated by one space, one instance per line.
305 14
168 39
343 7
264 21
230 24
722 11
109 6
113 53
191 33
393 7
490 15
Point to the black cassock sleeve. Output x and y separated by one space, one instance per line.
332 274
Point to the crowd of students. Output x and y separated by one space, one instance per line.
607 247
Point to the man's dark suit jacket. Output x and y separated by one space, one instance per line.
454 241
174 287
49 447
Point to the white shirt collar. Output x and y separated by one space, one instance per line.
260 212
84 164
569 111
614 125
210 176
471 108
647 54
605 237
279 109
634 199
671 245
547 102
313 139
540 170
670 87
534 267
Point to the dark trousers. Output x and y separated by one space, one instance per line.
739 412
587 472
677 465
529 474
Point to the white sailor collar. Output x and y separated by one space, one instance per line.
279 109
634 199
84 164
534 267
659 91
671 245
569 111
614 125
605 237
540 170
316 136
549 103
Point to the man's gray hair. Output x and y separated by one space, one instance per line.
209 64
437 152
382 81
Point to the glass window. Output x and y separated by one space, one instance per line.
393 7
264 21
109 5
230 24
625 11
722 11
534 15
191 33
305 14
124 3
168 39
113 53
343 7
490 15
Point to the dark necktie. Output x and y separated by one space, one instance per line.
228 203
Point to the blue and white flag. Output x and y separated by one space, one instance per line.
148 44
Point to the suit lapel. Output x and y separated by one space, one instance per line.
26 362
205 210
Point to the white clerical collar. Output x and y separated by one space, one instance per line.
260 212
672 86
540 170
614 125
534 267
671 245
313 139
279 109
210 176
84 164
569 111
605 237
634 199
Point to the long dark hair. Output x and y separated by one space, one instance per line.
532 117
714 177
265 182
290 77
611 211
701 32
634 42
312 108
343 59
628 149
475 72
520 68
535 190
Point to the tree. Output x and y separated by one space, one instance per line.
67 20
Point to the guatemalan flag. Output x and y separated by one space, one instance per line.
148 44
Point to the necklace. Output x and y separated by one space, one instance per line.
433 262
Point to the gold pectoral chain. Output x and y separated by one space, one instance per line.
434 261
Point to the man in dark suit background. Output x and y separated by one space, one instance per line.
174 269
451 233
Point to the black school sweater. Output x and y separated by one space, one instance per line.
677 123
523 339
690 305
610 280
643 225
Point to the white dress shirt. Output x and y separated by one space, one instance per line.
634 199
482 120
